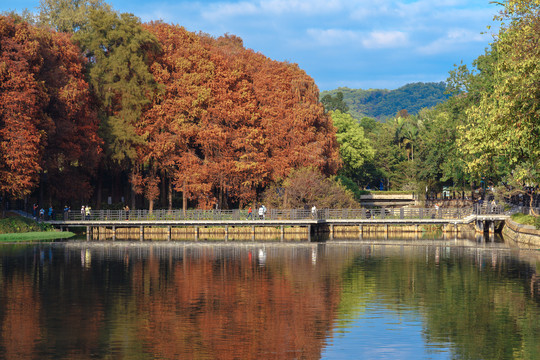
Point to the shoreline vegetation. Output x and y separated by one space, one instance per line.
524 219
18 228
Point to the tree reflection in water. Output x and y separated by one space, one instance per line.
262 300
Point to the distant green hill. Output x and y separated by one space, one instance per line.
381 104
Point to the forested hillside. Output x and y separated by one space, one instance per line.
381 104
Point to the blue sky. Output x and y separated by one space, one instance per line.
339 43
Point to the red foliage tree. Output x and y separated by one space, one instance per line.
47 122
21 100
229 121
73 145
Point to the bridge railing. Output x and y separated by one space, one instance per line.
283 214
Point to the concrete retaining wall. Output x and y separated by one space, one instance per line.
525 235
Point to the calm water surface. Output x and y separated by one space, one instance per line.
337 300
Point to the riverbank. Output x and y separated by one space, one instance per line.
526 236
18 228
36 236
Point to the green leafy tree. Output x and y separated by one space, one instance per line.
354 147
332 103
68 15
504 127
118 49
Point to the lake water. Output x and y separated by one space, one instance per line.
428 299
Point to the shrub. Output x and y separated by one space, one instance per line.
18 224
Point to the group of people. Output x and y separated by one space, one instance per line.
86 212
262 213
39 213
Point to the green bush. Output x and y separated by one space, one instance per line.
20 224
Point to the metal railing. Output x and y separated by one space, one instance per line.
280 214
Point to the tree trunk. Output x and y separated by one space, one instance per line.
531 196
133 198
169 194
163 190
3 204
99 192
184 198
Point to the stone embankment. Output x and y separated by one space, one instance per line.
524 235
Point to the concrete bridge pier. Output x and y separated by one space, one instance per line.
480 226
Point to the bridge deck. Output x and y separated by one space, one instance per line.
277 222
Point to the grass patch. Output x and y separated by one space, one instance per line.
36 236
527 219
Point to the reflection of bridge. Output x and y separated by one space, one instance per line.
485 218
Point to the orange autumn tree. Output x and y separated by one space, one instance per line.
21 101
227 121
48 127
231 136
271 117
170 126
297 130
73 146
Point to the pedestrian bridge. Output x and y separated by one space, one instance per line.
321 221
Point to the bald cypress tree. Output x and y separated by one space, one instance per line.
118 48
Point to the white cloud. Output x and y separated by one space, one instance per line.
452 40
227 10
372 40
333 37
385 40
271 7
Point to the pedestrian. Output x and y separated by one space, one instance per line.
126 209
35 210
261 212
50 213
250 213
314 212
83 212
41 214
66 212
87 212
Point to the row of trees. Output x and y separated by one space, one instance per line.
93 102
487 133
